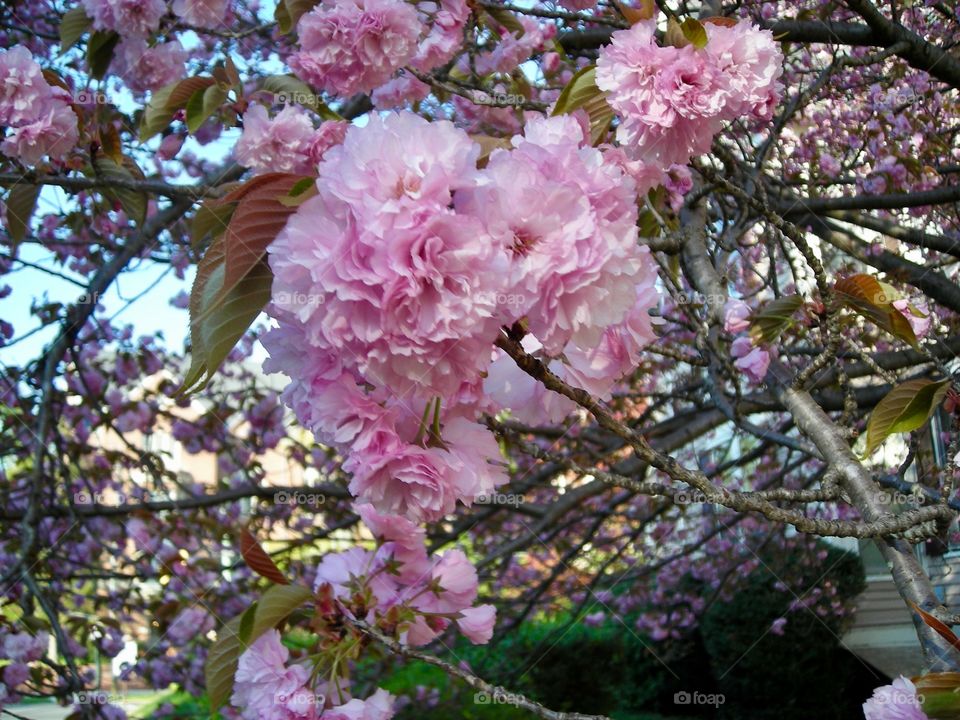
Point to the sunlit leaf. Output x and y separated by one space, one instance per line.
221 663
645 10
904 409
210 219
258 219
582 92
774 317
694 32
73 25
156 116
272 609
247 621
202 104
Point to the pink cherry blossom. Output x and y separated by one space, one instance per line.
512 50
351 46
202 13
265 688
281 144
404 285
569 220
597 369
23 89
446 19
399 91
328 135
129 17
378 706
754 361
917 314
507 386
149 68
897 701
736 316
408 541
670 99
53 133
477 623
752 63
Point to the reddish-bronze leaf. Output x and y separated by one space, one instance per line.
258 560
942 629
258 219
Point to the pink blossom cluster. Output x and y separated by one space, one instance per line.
267 686
130 18
287 142
512 50
392 284
752 359
144 68
351 46
202 13
673 100
396 587
433 590
39 115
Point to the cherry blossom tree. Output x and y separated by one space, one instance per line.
551 305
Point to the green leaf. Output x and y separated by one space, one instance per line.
156 117
272 609
210 219
221 663
185 89
582 91
289 89
774 317
73 25
219 317
202 104
21 202
904 409
166 101
289 12
694 31
100 52
133 202
941 695
276 604
300 193
505 19
246 623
